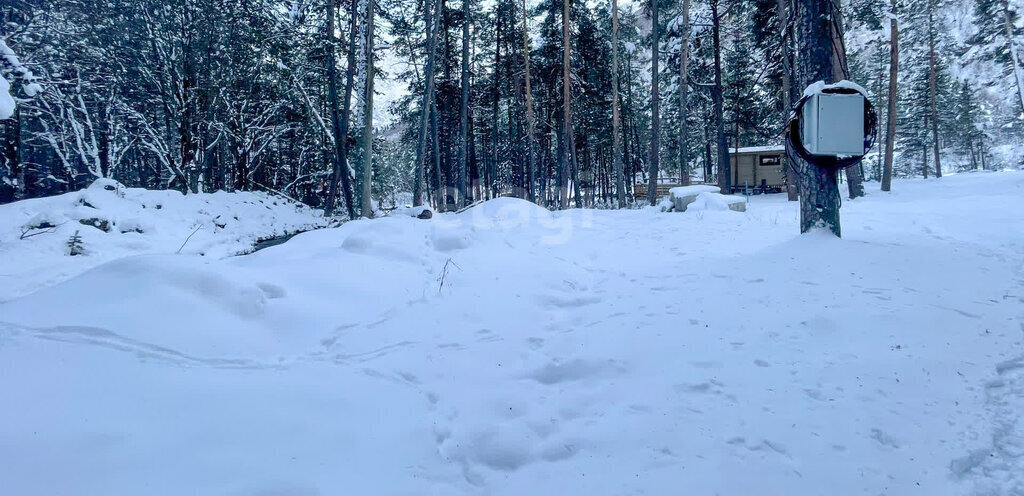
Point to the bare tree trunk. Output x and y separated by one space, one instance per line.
11 156
652 177
567 141
420 179
531 119
782 7
819 190
924 155
684 88
724 169
340 126
439 199
932 90
890 128
496 90
1017 70
366 207
841 71
464 108
620 188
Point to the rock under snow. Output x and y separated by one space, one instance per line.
681 196
114 221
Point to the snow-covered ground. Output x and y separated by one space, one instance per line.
113 222
509 350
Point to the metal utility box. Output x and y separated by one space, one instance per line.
833 125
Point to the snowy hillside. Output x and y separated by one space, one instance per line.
113 222
510 350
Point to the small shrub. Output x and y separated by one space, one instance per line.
74 245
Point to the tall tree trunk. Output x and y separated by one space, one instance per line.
339 124
724 169
819 190
496 94
620 187
1018 71
890 118
841 71
366 206
932 90
788 172
464 109
684 88
567 141
439 200
531 124
11 155
652 177
419 173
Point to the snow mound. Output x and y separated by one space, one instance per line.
506 211
715 201
695 189
112 221
142 300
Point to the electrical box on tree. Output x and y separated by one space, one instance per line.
832 125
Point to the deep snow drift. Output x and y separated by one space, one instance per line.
510 350
114 222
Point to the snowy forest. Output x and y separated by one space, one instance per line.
285 96
511 247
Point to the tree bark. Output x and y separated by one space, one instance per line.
340 126
620 187
932 90
782 7
567 141
841 71
890 127
464 109
531 124
684 88
819 190
652 161
420 179
724 169
1014 57
496 90
366 206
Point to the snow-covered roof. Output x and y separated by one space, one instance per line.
758 149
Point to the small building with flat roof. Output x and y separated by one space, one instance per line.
759 168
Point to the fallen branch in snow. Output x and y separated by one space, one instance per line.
444 273
467 207
26 232
188 238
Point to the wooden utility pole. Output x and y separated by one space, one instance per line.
819 189
890 118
